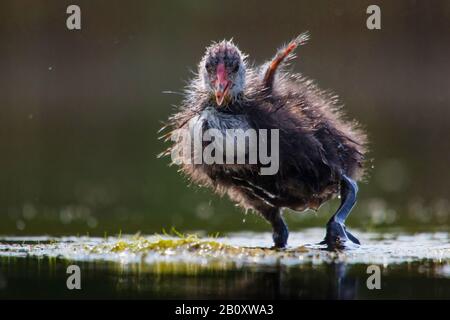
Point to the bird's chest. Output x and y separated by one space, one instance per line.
212 119
226 138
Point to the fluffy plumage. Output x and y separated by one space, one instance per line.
317 145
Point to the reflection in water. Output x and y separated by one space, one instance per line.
413 266
344 285
46 278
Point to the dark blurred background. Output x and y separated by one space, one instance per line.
80 110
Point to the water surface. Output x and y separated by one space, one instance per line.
238 266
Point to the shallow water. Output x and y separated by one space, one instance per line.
240 265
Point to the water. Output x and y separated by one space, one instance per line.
238 266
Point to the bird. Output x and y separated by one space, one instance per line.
322 154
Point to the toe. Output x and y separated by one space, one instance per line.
338 237
352 238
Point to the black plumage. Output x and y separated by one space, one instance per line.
321 154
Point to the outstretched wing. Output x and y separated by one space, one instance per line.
284 54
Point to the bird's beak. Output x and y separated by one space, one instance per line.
222 84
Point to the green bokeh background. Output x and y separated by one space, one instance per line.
80 110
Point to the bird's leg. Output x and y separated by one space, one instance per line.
279 227
337 234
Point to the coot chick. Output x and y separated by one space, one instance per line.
321 155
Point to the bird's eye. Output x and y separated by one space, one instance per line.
235 67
